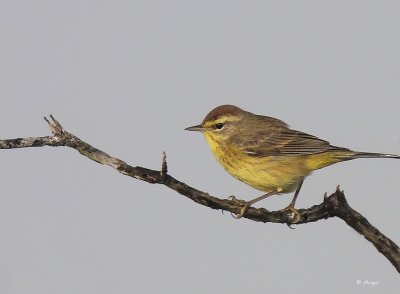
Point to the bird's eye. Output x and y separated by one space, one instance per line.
219 126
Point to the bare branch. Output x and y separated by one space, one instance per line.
334 205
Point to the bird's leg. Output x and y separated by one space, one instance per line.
291 208
293 202
251 202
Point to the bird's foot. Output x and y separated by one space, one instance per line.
243 210
293 213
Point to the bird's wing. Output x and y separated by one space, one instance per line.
280 141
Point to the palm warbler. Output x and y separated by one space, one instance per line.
266 154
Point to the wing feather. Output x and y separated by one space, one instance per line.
280 140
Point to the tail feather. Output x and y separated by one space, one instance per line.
374 155
320 160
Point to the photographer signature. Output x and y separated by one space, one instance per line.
367 283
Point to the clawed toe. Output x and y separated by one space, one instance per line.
293 213
236 200
243 210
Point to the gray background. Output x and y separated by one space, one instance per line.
128 77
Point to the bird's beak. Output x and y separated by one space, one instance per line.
198 128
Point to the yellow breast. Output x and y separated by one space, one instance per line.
266 174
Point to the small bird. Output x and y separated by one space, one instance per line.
266 154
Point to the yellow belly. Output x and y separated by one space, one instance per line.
266 174
271 173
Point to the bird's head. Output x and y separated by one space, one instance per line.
221 123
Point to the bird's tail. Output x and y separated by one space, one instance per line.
320 160
374 155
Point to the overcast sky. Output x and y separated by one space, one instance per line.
128 77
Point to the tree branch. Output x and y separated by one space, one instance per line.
333 206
